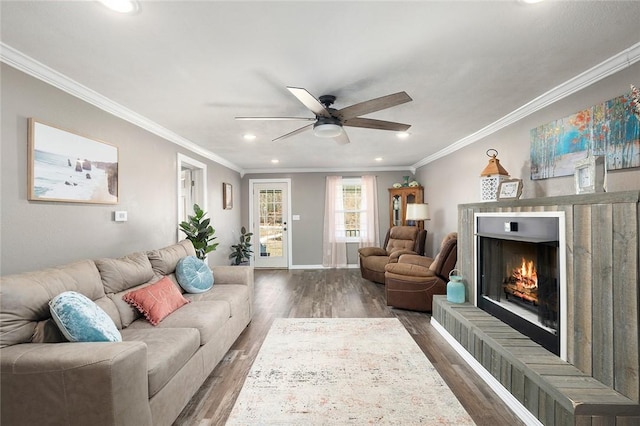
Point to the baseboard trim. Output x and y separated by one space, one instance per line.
516 406
350 266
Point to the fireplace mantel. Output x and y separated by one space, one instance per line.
602 250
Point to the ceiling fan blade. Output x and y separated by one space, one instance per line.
369 123
277 118
373 105
309 101
295 132
342 138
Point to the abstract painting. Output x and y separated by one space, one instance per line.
610 129
67 167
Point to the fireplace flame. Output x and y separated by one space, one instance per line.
523 282
526 274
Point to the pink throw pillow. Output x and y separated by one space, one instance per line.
156 301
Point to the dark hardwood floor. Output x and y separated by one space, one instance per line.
329 293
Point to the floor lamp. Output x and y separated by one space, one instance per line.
417 212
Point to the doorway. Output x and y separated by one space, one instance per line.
269 219
192 187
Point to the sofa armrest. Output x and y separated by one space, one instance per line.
372 251
242 275
409 270
415 259
81 383
233 275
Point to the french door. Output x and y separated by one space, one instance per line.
270 222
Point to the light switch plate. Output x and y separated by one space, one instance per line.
120 216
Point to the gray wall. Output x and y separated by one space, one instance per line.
307 200
454 179
41 234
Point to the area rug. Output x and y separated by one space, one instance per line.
334 371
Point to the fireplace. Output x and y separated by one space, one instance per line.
520 273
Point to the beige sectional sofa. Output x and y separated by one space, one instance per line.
149 377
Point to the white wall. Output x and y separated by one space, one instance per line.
34 234
454 179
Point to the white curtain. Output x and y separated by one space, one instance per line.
369 226
334 248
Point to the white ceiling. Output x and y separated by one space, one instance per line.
191 66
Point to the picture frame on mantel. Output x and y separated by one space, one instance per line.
67 167
510 189
227 196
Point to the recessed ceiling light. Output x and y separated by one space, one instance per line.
275 161
402 135
531 1
378 158
249 136
121 6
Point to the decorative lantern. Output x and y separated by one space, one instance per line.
491 177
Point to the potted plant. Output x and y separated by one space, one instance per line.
242 251
199 232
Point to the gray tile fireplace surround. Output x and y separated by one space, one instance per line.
598 383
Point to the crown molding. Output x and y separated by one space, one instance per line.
329 170
608 67
30 66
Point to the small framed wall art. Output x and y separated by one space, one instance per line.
510 189
589 175
67 167
227 196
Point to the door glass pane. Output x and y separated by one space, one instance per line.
270 222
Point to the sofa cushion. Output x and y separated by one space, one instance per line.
236 295
205 316
157 300
168 350
193 275
125 272
81 320
164 260
25 297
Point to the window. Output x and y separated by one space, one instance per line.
351 216
349 210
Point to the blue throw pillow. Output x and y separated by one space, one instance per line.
81 320
193 275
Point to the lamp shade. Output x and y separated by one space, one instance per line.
418 211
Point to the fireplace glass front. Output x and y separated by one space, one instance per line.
518 279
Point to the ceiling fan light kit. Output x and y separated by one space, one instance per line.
329 121
327 128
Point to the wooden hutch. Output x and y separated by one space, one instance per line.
398 200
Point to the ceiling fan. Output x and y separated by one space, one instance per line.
329 122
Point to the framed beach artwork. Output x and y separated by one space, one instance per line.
227 196
67 167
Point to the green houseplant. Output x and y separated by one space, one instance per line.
242 251
199 232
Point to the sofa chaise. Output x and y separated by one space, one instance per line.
148 377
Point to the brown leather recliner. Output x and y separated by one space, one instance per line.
399 240
413 280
